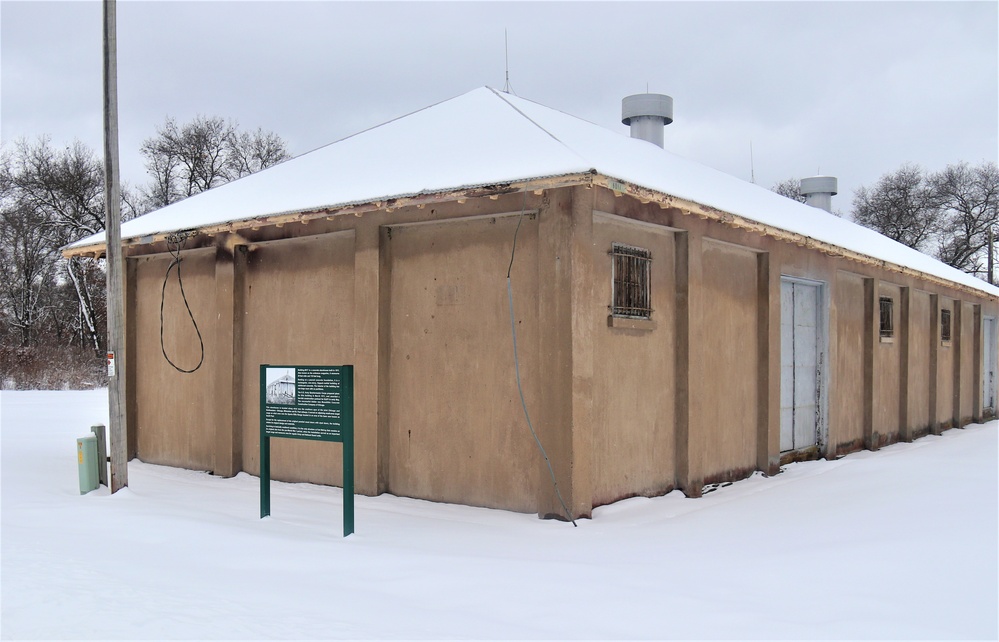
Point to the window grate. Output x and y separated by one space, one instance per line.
887 327
945 325
631 279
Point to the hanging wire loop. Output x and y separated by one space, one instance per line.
516 365
176 243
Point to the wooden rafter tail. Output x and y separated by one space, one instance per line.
538 186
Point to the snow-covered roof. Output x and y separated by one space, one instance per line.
487 137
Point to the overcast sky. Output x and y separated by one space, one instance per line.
851 89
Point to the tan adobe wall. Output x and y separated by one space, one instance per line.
299 300
174 411
723 364
920 366
946 354
846 407
633 442
887 369
970 355
416 299
457 431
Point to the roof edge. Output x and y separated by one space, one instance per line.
591 178
688 207
99 249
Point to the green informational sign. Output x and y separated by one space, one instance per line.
308 402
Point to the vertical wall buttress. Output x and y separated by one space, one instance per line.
131 363
687 270
367 344
957 340
230 272
904 425
871 318
384 356
768 372
583 326
934 392
565 298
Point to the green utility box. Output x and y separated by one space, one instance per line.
86 456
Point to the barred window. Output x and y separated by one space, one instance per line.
887 328
631 277
945 325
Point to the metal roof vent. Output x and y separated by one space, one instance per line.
647 115
819 190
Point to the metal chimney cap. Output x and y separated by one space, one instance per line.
654 105
819 185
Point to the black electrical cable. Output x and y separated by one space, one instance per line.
175 243
516 364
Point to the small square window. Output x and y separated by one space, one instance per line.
945 325
631 295
886 325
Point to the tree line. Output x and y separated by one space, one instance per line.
52 309
950 214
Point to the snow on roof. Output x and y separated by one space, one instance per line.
285 379
485 137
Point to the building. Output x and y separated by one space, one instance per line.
282 390
675 326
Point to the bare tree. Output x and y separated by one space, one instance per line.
49 197
67 185
969 198
27 269
790 188
62 193
162 165
183 160
902 205
257 151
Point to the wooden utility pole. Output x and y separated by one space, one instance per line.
112 227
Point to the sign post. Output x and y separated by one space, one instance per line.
308 402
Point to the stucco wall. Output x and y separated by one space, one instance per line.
299 310
723 366
417 301
633 441
457 431
887 361
919 363
945 367
969 353
846 424
174 410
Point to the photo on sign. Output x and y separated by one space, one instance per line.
281 386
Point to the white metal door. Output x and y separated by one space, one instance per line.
800 365
989 362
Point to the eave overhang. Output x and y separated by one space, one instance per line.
587 179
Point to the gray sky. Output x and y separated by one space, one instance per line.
852 89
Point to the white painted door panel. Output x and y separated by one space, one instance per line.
786 366
806 300
989 371
799 365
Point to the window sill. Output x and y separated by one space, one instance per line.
628 323
945 343
887 339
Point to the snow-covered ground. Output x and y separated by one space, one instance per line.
901 543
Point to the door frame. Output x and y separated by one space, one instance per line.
822 341
990 330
